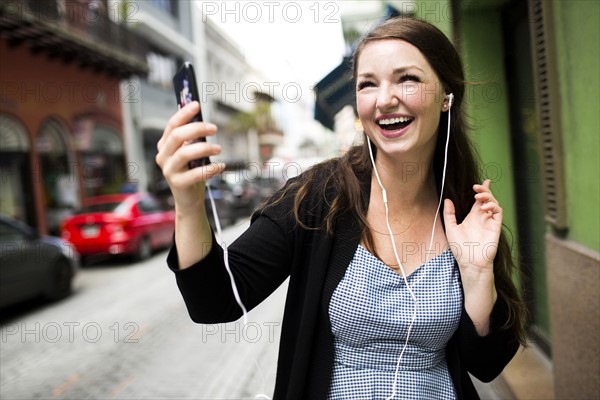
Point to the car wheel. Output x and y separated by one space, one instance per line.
144 249
60 280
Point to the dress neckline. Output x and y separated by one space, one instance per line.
398 272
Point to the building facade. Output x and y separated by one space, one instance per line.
166 26
61 124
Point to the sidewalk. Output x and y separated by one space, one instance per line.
527 377
495 390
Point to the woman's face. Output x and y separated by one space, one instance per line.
399 99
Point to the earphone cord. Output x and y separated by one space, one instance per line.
236 293
393 242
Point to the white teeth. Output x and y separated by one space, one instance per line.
390 121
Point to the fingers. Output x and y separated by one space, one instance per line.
190 177
483 193
172 153
449 213
181 117
482 187
485 200
179 145
492 206
173 140
180 120
179 159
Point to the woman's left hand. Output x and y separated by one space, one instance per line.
474 241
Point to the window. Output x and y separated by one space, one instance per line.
161 69
148 205
9 233
168 6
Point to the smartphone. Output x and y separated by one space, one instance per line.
186 91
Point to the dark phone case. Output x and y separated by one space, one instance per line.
186 91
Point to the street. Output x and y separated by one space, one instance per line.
125 333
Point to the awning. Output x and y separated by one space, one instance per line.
334 92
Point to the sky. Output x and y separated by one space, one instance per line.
298 41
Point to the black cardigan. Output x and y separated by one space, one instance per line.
273 248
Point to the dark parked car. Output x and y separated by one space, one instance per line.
245 198
32 265
133 224
222 195
224 199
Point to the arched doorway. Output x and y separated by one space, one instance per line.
103 169
59 172
16 196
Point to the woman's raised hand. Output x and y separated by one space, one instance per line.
176 148
474 241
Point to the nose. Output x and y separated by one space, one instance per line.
386 98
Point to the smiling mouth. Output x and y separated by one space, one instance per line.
394 124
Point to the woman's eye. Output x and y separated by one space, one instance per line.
364 84
409 78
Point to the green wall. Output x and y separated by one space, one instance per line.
577 32
481 34
483 49
436 12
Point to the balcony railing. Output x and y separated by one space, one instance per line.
76 31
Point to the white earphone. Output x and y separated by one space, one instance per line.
450 98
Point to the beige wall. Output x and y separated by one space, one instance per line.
574 287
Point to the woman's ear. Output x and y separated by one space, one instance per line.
358 125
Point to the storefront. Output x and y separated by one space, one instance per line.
61 119
17 184
58 173
61 137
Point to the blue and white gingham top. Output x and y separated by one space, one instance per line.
370 312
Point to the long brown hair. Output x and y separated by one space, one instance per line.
463 171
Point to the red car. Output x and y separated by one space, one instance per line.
133 224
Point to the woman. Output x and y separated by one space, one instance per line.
384 299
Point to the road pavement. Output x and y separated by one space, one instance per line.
125 334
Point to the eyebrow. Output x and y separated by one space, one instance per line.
396 71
